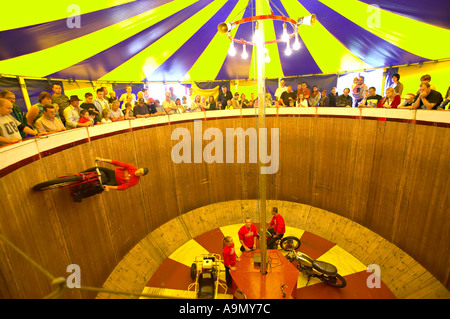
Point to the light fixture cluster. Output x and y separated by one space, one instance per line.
258 38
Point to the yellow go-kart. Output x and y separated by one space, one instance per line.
205 271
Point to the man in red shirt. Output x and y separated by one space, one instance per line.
229 258
123 177
276 228
247 235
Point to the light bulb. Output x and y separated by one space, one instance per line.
285 35
244 52
296 45
232 49
257 35
288 51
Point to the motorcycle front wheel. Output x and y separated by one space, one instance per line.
337 282
56 183
290 243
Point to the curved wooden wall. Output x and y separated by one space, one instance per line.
389 176
402 274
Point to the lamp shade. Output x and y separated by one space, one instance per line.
308 20
225 27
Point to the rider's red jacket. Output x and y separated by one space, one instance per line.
125 177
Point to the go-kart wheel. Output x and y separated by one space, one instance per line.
290 243
193 271
215 273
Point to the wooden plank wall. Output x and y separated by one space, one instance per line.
390 177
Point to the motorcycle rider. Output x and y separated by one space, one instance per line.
121 178
276 228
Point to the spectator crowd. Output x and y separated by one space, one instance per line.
57 112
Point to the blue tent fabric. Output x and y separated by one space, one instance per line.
367 46
38 37
434 12
13 85
36 87
179 63
106 61
28 45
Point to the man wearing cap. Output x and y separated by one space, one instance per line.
141 109
72 114
408 102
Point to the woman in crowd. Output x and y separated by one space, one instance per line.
180 108
301 101
243 103
196 105
390 100
211 105
397 86
314 97
203 102
106 116
37 110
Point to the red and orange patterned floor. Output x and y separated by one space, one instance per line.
172 278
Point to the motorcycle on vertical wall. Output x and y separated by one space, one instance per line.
326 272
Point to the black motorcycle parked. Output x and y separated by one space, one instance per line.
326 272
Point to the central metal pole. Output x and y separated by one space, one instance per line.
260 65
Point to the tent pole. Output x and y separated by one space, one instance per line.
260 65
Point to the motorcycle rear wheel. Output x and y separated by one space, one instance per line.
337 282
290 242
56 183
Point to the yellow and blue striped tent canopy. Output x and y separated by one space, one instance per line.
178 40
